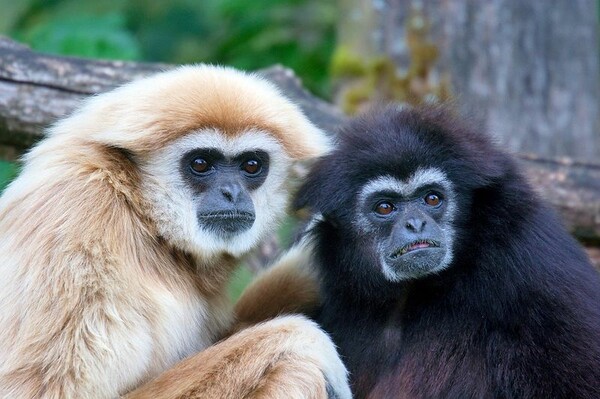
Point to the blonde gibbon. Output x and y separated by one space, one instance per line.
122 230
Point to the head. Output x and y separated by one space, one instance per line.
211 193
212 147
397 191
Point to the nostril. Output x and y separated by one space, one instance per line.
227 194
415 225
231 192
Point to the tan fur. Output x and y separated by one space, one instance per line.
289 286
286 351
144 117
95 298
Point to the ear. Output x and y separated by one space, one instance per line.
490 165
308 195
322 190
477 154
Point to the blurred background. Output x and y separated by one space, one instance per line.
527 72
245 34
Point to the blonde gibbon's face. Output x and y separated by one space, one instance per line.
212 193
212 147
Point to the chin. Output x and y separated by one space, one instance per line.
414 265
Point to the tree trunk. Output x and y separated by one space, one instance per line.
528 71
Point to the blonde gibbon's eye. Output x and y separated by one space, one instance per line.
252 167
200 165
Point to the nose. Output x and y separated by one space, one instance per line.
415 225
231 192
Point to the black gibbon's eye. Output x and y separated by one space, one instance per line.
251 167
200 165
432 199
384 208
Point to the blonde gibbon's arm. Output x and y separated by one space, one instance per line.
289 286
288 357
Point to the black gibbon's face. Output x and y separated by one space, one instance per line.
400 188
223 184
409 221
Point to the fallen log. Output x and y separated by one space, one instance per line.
36 89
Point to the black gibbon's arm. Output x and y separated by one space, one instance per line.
119 236
443 275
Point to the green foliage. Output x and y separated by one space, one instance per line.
12 11
8 171
287 231
298 34
80 28
241 278
85 35
247 35
345 63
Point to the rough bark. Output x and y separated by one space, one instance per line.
528 70
571 187
36 89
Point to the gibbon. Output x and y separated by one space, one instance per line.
120 234
442 274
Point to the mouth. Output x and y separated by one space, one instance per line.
416 245
227 223
228 215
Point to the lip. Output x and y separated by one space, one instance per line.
415 246
228 215
227 223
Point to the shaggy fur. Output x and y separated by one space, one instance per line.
288 287
107 279
283 358
516 314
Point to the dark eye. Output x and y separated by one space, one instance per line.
384 208
251 167
432 199
200 165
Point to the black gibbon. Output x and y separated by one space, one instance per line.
443 275
119 236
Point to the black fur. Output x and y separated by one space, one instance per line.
517 313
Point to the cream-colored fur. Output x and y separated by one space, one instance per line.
288 357
107 280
